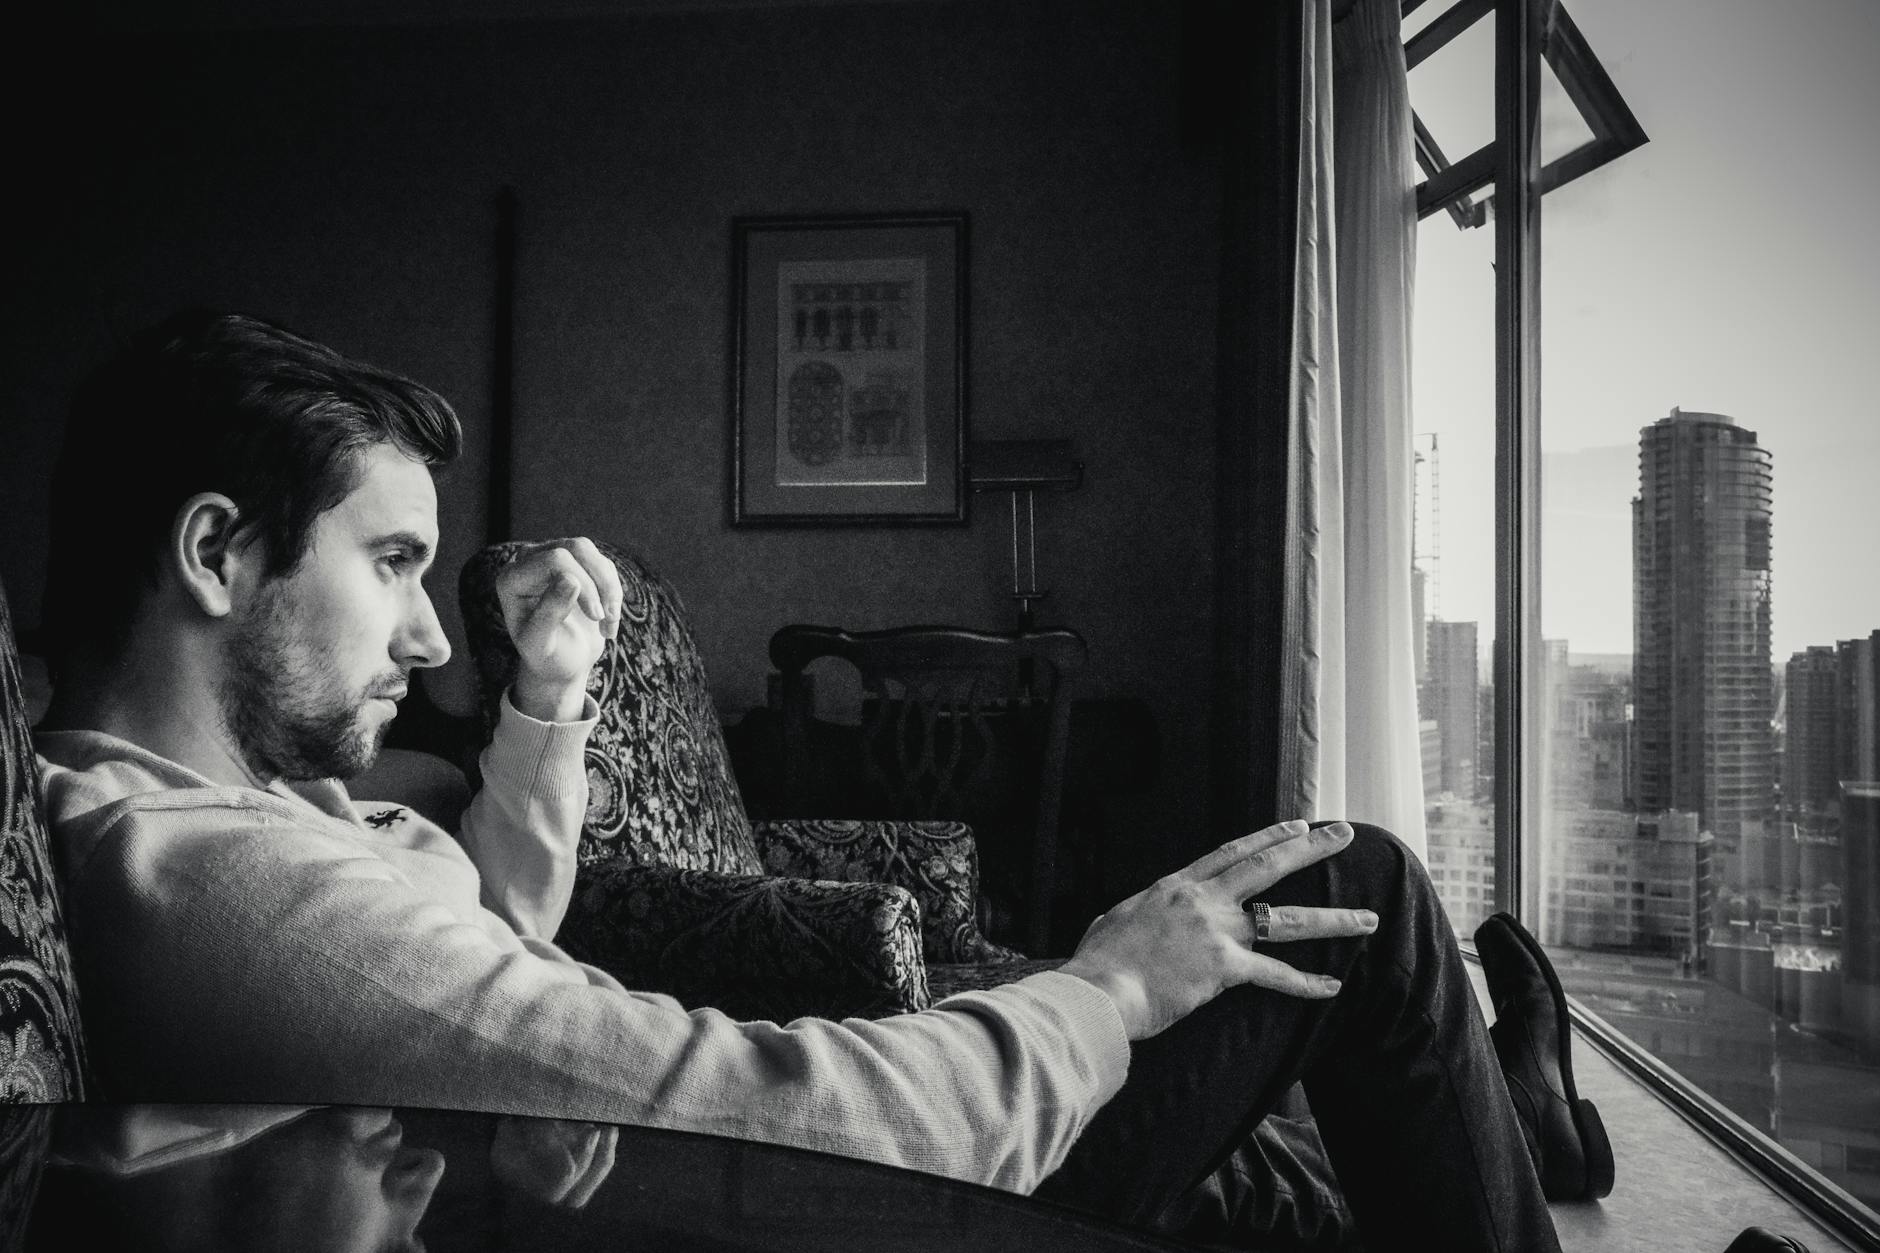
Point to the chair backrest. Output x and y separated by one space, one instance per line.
955 724
42 1048
660 787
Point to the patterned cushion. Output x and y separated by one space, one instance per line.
660 787
712 939
936 861
42 1053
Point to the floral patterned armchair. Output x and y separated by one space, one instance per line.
678 891
42 1050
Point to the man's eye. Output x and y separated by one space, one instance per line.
398 563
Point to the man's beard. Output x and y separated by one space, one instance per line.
285 706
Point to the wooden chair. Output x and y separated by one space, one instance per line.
955 724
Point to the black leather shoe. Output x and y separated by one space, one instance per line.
1760 1240
1532 1036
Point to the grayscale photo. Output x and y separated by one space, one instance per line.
747 626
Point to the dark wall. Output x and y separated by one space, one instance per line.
344 182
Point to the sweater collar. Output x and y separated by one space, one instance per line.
81 750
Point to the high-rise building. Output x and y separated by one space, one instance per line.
1485 743
1702 684
1830 737
1859 734
1451 699
1804 911
1430 746
1857 729
1787 858
1588 734
1811 765
1860 899
1462 860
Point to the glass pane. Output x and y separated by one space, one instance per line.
1423 15
1453 90
1709 819
1453 375
1563 129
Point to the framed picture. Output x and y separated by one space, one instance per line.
848 350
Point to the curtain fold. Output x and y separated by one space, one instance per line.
1349 741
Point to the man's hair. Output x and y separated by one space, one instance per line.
214 402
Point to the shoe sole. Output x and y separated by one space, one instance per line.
1597 1148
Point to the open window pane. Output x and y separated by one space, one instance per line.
1453 89
1709 815
1563 126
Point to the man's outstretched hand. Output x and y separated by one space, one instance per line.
560 599
1185 938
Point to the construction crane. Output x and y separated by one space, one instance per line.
1427 557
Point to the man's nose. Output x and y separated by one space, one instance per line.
423 643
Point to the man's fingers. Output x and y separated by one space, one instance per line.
536 570
1262 971
586 593
1262 868
1237 850
548 572
1308 922
600 1165
606 579
556 603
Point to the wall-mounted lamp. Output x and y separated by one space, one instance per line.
1024 467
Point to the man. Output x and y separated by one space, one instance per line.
241 526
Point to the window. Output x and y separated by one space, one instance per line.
1656 444
1452 583
1692 817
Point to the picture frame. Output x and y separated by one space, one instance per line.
848 370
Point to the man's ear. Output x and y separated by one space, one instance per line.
203 551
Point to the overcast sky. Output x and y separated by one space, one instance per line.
1731 265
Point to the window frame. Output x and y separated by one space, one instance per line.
1525 31
1615 131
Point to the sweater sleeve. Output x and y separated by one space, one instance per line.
250 959
522 828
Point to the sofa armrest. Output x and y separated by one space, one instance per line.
936 861
754 946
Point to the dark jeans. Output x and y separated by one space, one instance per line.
1398 1068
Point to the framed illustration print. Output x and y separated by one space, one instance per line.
848 369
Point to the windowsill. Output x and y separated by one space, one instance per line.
1677 1191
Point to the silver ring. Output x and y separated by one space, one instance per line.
1262 921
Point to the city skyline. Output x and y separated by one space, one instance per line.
1595 618
1725 266
1731 928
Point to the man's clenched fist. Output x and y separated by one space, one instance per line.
561 599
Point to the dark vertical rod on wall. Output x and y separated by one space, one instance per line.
503 372
1519 28
1250 54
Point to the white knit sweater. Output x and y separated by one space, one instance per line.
293 945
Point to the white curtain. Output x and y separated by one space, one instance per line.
1351 697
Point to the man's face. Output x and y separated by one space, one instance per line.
318 657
